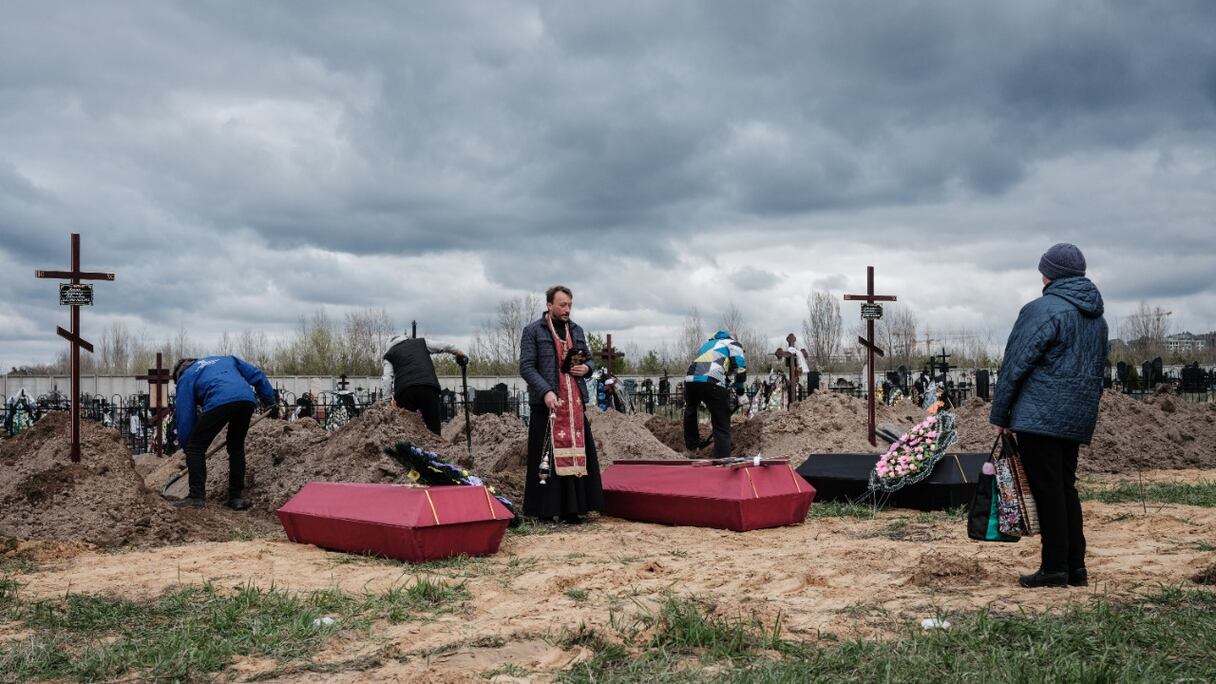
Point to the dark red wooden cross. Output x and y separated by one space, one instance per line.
868 342
608 353
75 275
158 388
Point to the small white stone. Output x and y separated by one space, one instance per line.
934 623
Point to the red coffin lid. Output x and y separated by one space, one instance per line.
703 482
396 504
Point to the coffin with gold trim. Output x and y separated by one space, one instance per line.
681 493
408 523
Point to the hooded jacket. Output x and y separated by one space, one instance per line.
1050 381
717 360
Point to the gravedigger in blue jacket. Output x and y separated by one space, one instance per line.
223 387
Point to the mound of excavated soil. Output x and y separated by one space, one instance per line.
500 450
1161 431
937 569
101 500
619 436
281 457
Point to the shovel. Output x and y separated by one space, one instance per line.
468 422
182 491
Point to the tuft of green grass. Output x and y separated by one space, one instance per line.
8 593
191 631
510 669
530 526
840 509
576 594
581 636
685 625
1198 494
239 535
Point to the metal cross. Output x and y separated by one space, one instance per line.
75 275
944 366
608 353
868 342
158 387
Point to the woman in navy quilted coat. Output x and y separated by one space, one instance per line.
1047 392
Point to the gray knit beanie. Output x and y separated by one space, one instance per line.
1062 261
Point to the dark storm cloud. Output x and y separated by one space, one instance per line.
558 142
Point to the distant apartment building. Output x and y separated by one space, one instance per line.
1185 343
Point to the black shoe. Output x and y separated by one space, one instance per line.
572 519
1078 578
1044 579
238 503
190 502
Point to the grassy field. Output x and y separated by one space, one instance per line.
1198 494
1169 636
193 631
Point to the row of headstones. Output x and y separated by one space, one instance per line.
1192 377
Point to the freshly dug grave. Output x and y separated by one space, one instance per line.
101 500
500 450
619 436
281 457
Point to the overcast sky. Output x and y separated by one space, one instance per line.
241 164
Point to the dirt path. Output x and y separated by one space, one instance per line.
845 576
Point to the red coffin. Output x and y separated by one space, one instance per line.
407 523
677 493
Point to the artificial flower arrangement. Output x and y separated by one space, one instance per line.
911 459
429 468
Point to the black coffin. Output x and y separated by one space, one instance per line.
846 477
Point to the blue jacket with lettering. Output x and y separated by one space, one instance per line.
214 381
1050 380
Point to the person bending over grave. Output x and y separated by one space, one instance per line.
409 375
563 472
718 360
223 388
1047 392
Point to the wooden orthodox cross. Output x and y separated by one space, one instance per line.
158 389
608 353
74 294
870 312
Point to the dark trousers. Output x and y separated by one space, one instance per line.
1051 468
717 400
423 399
236 416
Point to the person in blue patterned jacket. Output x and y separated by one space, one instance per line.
223 387
719 364
1047 392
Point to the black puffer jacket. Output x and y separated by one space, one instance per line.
1050 380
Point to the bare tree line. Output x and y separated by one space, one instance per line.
321 345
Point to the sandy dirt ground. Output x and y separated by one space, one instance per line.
846 577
